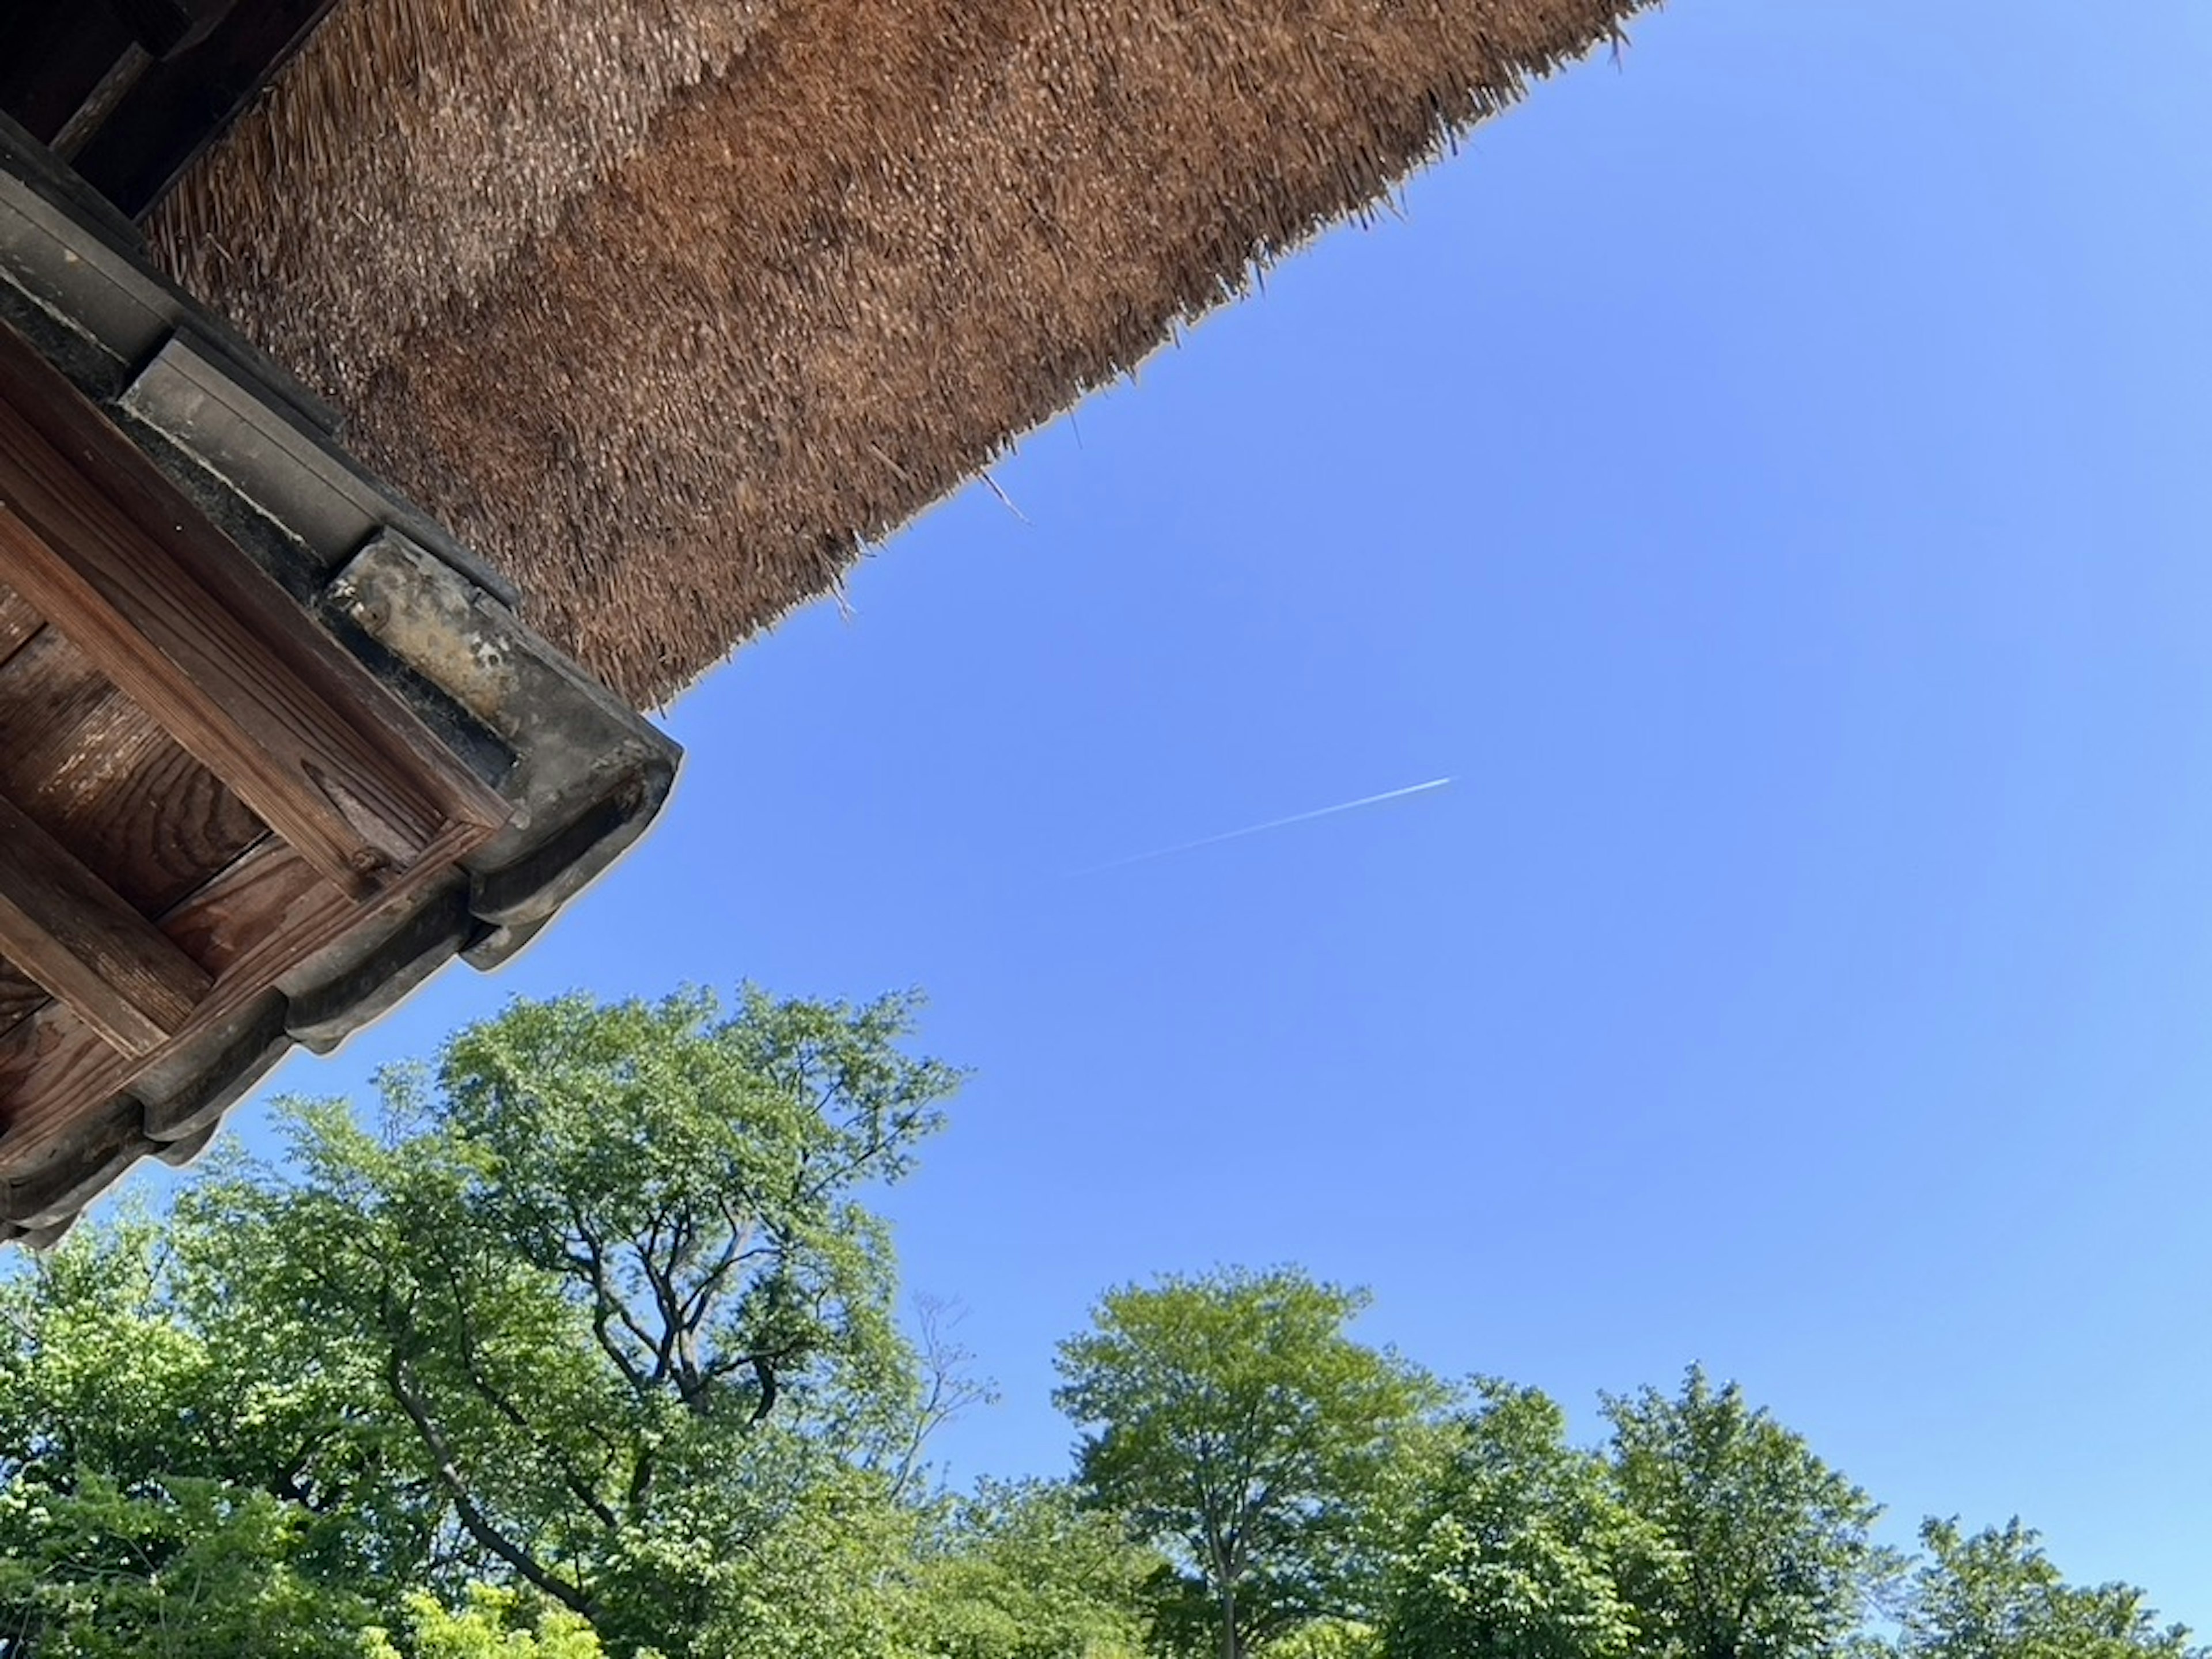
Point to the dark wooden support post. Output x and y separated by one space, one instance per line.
68 930
56 59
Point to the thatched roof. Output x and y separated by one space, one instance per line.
667 305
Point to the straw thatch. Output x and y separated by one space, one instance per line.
668 303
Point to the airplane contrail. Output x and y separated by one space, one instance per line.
1261 828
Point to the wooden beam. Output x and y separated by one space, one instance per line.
56 58
18 622
53 1073
103 546
270 763
68 930
109 784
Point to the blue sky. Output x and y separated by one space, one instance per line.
1769 478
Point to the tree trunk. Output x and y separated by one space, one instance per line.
1230 1648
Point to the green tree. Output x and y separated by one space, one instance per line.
197 1567
596 1313
1996 1595
1514 1544
144 1505
492 1623
1235 1425
1329 1638
1022 1571
1758 1550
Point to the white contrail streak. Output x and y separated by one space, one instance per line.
1261 829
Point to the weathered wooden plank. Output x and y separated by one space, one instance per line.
249 928
53 1071
100 103
93 769
20 996
18 622
67 929
114 557
282 754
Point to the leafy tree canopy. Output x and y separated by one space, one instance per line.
1994 1595
1023 1572
584 1347
1757 1549
596 1313
1233 1421
1515 1545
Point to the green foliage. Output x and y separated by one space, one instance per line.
1330 1638
587 1351
140 1501
1758 1550
597 1313
605 1283
1235 1425
805 1562
1514 1544
1996 1595
1022 1571
193 1567
493 1623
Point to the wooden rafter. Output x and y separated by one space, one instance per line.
18 622
54 1076
133 90
68 930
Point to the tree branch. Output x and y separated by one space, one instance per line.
571 1476
607 1304
473 1520
765 1369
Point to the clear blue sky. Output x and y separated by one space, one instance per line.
1773 479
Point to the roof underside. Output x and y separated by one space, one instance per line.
130 91
272 745
670 306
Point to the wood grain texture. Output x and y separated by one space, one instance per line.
93 769
68 930
114 557
18 622
20 996
249 928
112 603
